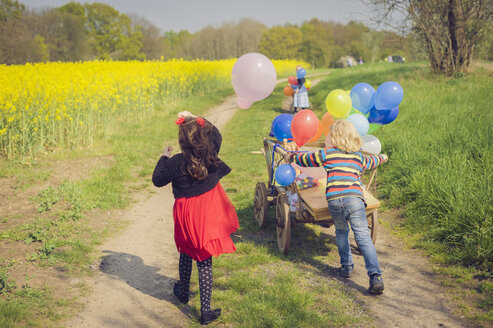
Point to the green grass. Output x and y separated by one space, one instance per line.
440 156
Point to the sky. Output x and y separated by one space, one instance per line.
193 15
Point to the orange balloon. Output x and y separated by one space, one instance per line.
318 134
326 122
288 91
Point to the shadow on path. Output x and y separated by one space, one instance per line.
142 277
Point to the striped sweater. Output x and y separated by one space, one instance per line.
344 170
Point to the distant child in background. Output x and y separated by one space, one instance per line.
300 93
344 193
204 216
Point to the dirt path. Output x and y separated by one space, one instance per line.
132 287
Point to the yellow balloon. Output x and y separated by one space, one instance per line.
338 103
308 83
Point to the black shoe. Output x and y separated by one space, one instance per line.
376 284
177 290
208 316
346 270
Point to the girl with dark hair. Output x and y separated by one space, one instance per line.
204 216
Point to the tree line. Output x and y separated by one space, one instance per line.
89 31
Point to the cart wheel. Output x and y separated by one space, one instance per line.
261 204
372 224
283 223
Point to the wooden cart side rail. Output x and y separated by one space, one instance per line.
270 154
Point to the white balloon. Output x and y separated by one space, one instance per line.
371 145
360 123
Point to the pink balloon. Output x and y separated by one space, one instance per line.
254 78
312 172
244 103
304 126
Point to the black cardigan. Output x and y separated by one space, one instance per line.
184 185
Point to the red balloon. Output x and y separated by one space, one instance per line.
304 126
292 80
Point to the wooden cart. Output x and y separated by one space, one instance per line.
312 205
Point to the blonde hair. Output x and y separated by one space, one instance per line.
344 136
299 67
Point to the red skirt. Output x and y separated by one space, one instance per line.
203 224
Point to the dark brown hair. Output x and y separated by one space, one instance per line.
197 147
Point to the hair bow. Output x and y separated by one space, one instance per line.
201 121
180 121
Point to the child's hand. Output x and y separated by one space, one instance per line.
168 151
385 158
185 114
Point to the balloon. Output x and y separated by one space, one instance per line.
282 128
318 134
292 80
326 122
308 83
253 77
285 174
312 172
338 103
277 119
300 73
373 127
363 97
288 90
383 116
360 123
304 126
389 95
371 145
244 103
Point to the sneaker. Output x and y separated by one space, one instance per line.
177 290
376 284
208 316
346 270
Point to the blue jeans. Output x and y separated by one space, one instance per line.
352 209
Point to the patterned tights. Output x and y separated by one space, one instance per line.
205 278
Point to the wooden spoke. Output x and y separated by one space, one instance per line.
261 204
372 224
283 223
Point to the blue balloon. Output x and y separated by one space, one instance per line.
389 95
383 116
300 73
277 119
363 97
285 174
360 123
282 128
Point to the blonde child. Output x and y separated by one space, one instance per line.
204 217
344 193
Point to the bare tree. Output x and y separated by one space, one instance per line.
449 29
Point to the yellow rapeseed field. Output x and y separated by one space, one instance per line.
60 105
